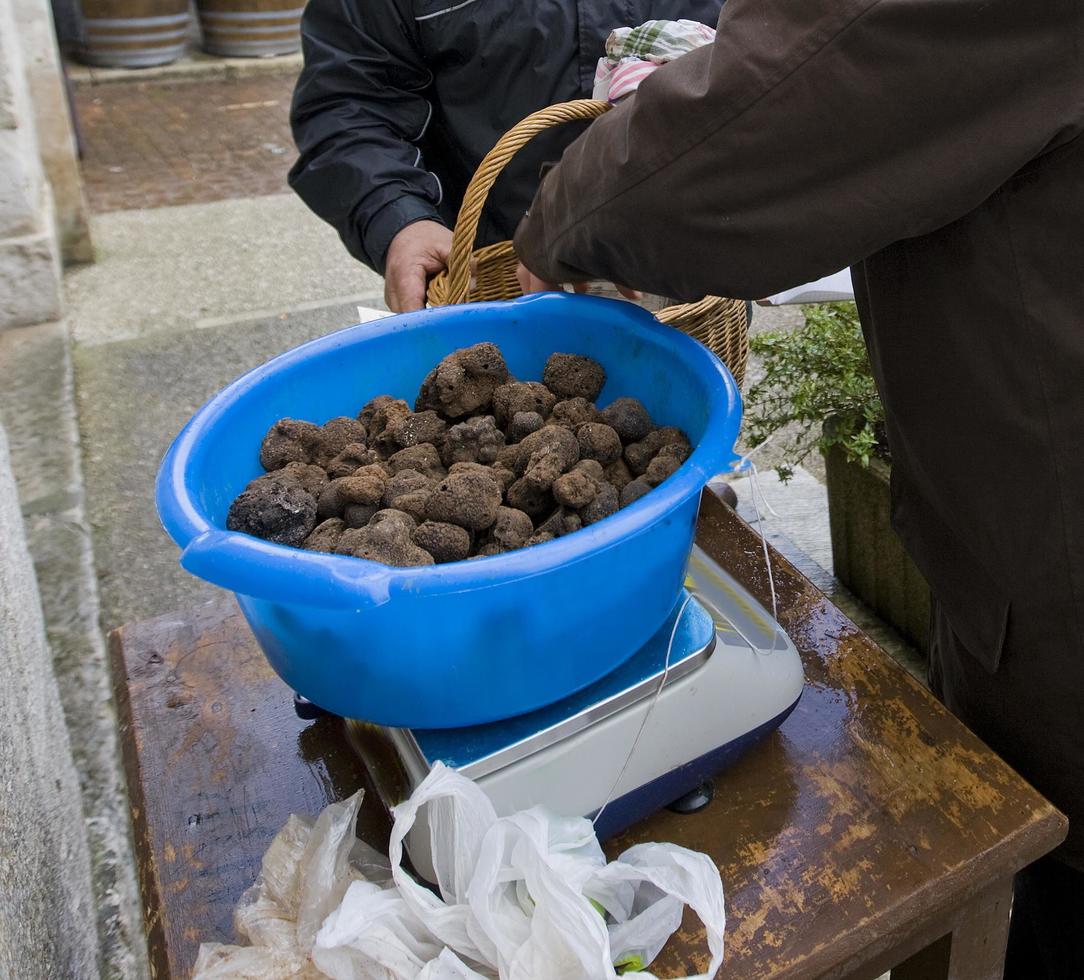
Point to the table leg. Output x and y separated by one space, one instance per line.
974 949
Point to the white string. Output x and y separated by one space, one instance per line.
754 483
756 449
647 714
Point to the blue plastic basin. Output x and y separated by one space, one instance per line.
467 642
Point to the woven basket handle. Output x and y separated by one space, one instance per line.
466 225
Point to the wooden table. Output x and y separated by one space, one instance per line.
872 830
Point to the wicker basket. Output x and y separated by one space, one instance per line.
489 273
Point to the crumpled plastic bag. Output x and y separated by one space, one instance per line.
523 897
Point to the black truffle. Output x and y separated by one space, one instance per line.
573 376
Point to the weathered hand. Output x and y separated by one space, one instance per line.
416 254
530 283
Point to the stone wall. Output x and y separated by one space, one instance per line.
47 917
53 123
29 252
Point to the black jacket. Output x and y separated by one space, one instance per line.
399 100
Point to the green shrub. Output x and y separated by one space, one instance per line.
818 377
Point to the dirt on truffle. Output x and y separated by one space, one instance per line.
469 499
573 412
599 442
546 454
274 510
463 383
483 464
574 376
628 418
522 396
478 440
445 542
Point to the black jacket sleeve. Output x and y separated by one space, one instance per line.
359 110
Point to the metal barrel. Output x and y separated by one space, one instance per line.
250 28
133 33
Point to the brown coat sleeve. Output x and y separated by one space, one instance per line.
811 134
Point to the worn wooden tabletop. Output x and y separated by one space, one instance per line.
868 826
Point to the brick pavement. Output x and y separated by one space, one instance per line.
150 144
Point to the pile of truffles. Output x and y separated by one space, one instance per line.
482 465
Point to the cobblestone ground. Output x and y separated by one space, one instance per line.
150 144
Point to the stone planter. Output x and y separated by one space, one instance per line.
867 556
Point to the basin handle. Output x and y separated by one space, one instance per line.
260 569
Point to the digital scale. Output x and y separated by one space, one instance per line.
734 676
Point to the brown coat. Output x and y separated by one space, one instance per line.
936 146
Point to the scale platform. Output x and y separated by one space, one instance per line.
734 677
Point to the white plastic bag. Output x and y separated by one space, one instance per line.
303 876
517 891
524 897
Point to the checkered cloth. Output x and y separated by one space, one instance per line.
633 53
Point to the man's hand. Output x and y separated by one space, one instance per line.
530 283
416 254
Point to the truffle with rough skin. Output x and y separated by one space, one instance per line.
504 476
409 492
468 499
575 489
598 441
419 427
592 467
534 502
546 454
478 440
606 502
358 515
389 542
618 474
633 491
523 424
561 522
511 529
424 459
288 441
382 425
364 486
660 468
521 396
681 451
628 418
275 511
463 383
353 457
312 479
496 472
573 412
325 536
508 457
391 516
639 454
540 537
371 407
334 436
573 376
445 542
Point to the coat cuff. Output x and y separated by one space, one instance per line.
532 249
390 220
